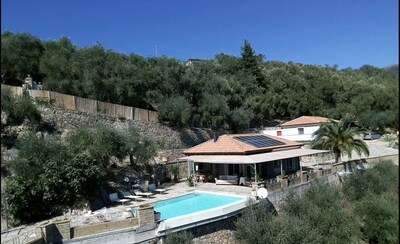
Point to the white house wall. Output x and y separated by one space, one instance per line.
293 133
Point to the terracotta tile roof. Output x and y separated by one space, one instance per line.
228 145
306 120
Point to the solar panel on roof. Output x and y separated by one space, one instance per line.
259 141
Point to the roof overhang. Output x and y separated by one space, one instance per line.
251 159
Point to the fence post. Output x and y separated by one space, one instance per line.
74 101
304 177
284 183
97 106
131 115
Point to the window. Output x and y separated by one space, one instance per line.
300 130
279 133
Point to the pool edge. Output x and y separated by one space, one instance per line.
202 217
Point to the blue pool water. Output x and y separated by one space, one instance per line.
191 203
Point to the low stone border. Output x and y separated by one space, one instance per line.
103 227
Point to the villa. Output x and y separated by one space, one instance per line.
299 129
245 156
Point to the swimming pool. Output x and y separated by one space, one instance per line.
197 208
191 203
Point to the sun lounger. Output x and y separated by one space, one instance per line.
114 198
129 196
160 190
140 193
152 188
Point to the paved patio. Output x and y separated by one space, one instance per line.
176 189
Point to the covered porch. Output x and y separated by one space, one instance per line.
261 167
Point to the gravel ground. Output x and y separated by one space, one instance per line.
377 148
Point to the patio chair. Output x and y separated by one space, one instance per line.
129 195
114 198
140 193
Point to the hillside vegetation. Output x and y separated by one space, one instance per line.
223 92
363 209
51 171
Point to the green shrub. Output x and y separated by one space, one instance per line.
317 216
392 140
183 237
322 206
47 177
381 178
20 108
7 100
259 224
255 224
380 216
300 231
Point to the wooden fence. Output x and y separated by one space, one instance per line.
88 105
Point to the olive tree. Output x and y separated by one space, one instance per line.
48 176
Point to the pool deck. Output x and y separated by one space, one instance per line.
180 188
174 189
120 211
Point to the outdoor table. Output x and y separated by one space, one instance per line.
201 177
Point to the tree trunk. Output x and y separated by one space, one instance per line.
337 158
131 159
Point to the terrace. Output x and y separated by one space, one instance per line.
118 225
117 219
106 224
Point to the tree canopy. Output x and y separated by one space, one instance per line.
211 93
50 174
340 138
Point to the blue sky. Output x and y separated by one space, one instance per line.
342 32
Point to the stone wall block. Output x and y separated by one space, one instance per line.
304 177
146 215
284 183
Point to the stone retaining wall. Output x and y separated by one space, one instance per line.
375 160
66 120
295 181
103 227
316 159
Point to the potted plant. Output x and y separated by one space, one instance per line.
157 216
175 172
190 180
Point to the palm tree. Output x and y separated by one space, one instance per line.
340 139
